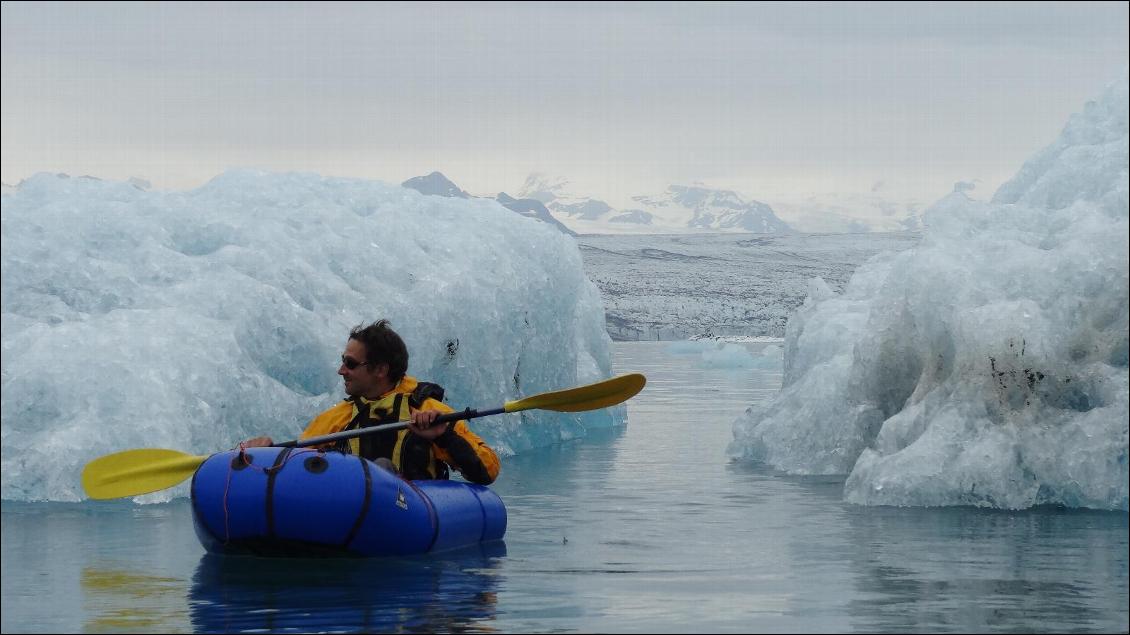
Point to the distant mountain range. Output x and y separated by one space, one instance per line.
852 213
683 209
531 208
680 209
436 184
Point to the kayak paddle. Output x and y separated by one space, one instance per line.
136 472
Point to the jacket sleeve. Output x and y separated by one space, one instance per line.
464 450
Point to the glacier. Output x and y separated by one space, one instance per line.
986 366
192 320
674 286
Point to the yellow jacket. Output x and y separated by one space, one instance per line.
414 456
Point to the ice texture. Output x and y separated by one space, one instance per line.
192 320
677 287
988 365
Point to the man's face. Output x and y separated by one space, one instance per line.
363 380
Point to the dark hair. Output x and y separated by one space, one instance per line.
383 346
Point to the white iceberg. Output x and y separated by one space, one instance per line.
191 320
988 365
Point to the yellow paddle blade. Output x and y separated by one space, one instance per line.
136 472
591 397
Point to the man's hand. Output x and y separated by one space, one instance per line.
421 424
258 442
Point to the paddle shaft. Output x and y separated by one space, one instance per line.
135 472
349 434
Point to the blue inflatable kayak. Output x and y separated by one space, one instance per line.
303 502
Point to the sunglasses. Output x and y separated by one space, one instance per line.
351 363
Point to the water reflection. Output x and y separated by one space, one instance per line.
647 528
965 570
449 592
122 601
948 569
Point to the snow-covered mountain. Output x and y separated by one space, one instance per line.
679 209
851 213
637 216
554 193
531 208
545 189
687 209
698 207
436 184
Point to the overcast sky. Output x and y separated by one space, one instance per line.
771 100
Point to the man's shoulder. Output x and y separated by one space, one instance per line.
344 405
424 395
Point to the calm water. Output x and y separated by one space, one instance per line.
646 529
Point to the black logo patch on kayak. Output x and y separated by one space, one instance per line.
401 502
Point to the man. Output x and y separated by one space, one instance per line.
373 368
